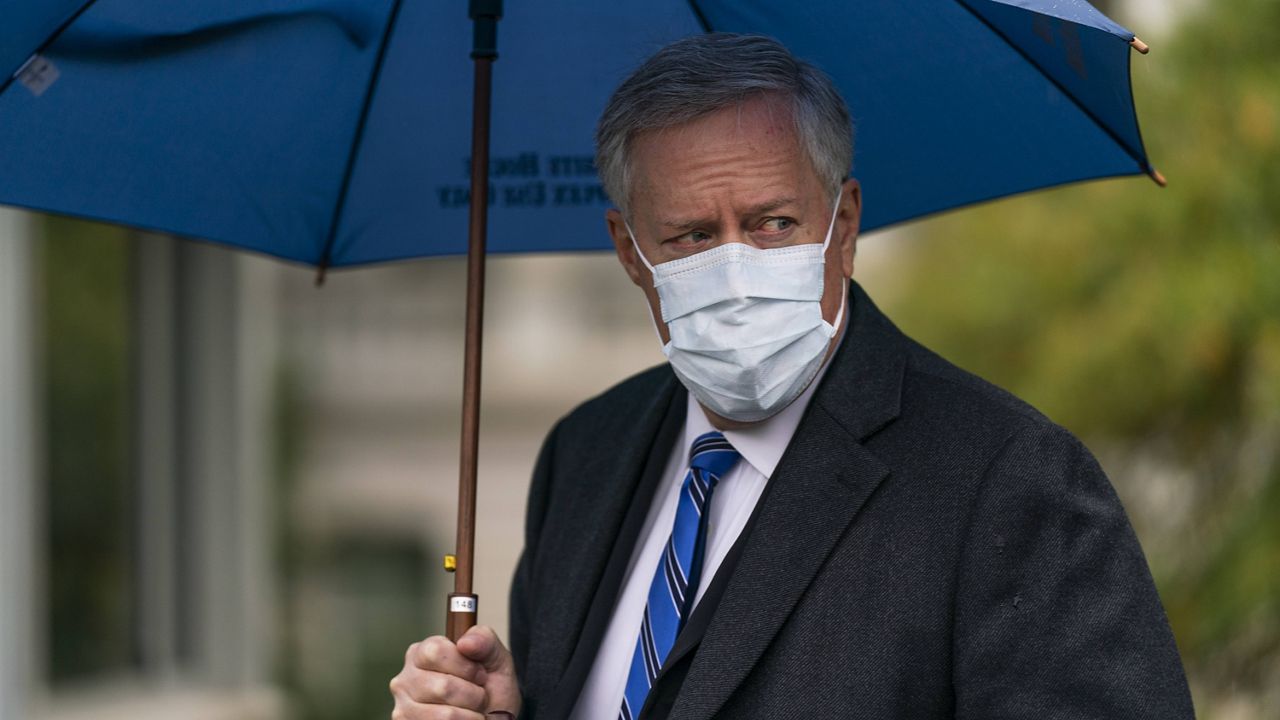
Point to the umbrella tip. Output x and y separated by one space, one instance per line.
320 271
1140 46
1159 178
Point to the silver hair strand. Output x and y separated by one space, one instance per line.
700 75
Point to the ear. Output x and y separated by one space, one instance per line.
636 270
848 221
625 249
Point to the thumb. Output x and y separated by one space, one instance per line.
481 645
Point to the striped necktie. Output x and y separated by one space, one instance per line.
675 582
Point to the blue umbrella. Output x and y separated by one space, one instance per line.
336 132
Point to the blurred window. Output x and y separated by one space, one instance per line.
125 572
88 387
152 587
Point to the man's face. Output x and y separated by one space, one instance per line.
738 175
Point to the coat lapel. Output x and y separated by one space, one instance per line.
823 480
595 546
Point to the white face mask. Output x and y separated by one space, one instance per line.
747 333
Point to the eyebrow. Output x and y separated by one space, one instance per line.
767 206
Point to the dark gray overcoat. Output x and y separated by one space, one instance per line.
929 547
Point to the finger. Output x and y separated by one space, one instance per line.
426 687
482 645
434 712
445 712
440 655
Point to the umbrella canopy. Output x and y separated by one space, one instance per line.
337 132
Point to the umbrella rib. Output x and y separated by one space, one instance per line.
45 45
1139 155
698 14
356 142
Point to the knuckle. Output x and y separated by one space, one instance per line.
439 687
432 650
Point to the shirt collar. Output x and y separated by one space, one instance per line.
763 443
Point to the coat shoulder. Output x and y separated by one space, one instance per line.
967 421
969 400
929 371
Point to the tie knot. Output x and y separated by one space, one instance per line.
713 454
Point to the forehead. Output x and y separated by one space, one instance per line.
748 149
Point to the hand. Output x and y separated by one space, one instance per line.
466 681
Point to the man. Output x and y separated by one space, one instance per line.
804 514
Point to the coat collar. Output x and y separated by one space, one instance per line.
824 478
863 389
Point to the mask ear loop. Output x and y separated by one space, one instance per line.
844 300
666 347
831 226
844 281
632 234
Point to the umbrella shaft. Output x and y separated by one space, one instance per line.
460 619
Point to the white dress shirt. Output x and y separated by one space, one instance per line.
732 502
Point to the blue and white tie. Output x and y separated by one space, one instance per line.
675 582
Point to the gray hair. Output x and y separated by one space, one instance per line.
700 75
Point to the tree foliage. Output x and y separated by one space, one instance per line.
1148 321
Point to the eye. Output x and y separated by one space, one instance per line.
777 224
690 239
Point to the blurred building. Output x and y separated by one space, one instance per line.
133 462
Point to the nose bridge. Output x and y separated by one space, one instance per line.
731 228
734 234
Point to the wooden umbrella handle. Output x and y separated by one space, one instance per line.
463 603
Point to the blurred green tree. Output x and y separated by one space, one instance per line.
1148 322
